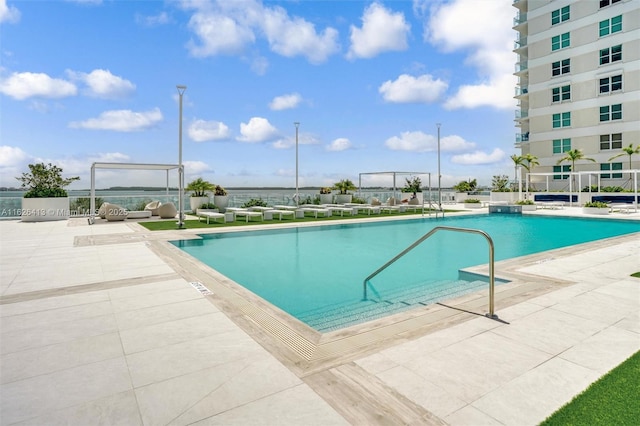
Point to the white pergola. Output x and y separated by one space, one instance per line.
394 174
133 166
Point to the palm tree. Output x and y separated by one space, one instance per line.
630 150
518 160
573 156
532 161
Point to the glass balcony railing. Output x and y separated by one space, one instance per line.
522 42
522 113
521 66
522 137
522 91
520 18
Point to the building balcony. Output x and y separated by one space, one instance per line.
522 114
520 19
520 43
521 66
522 90
522 137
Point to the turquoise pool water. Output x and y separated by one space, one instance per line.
314 273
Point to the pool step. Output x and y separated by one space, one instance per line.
386 303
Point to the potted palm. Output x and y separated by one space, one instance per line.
45 198
343 187
220 198
199 188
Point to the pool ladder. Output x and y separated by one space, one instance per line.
491 313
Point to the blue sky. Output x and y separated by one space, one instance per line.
95 80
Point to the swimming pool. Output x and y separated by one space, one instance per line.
316 273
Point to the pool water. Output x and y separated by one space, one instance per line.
316 273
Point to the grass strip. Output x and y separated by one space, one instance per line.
614 399
170 224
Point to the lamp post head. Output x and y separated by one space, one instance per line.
181 88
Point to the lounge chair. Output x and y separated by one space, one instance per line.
153 207
115 213
167 211
211 215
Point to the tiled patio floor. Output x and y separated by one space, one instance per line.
113 334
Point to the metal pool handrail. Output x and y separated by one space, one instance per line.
427 235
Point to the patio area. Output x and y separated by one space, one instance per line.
103 324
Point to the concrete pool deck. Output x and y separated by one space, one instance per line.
101 324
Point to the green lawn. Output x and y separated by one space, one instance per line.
613 400
170 224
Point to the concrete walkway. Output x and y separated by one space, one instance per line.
112 333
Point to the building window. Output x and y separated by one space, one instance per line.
561 146
560 15
613 112
561 67
612 141
562 120
561 41
611 84
605 3
561 94
612 54
561 169
611 167
610 26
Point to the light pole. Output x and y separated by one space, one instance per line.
297 124
181 90
439 175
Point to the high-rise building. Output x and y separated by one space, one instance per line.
578 69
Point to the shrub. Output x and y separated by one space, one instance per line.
255 202
472 201
220 190
412 185
83 204
325 190
500 183
45 180
208 206
597 204
464 186
525 202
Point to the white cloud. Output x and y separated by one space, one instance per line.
479 157
9 14
340 144
488 36
290 142
382 31
217 35
224 27
257 130
285 102
121 121
103 84
201 131
473 96
296 37
89 2
192 168
154 20
11 156
422 142
409 89
27 85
